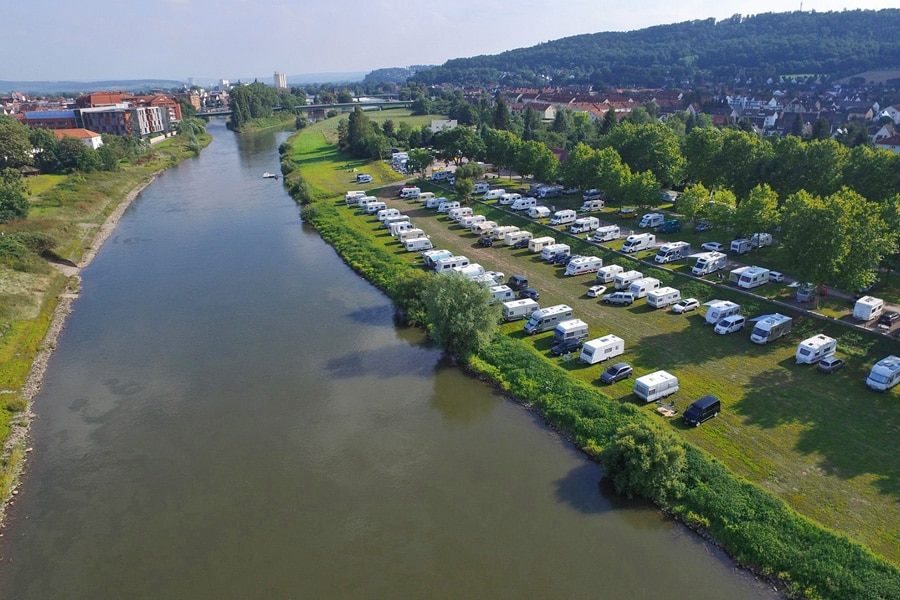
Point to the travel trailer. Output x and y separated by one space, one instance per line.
583 265
769 328
411 192
719 309
499 233
473 271
519 309
401 218
445 265
502 293
418 244
425 196
553 250
608 273
638 241
524 203
663 297
447 205
538 212
508 198
548 318
386 213
467 222
671 252
430 257
481 187
483 227
363 201
606 233
652 220
372 208
410 234
868 308
602 349
570 329
885 374
537 244
624 279
643 286
456 214
584 224
563 217
709 262
400 226
655 386
493 194
592 205
353 196
550 191
511 239
812 350
752 277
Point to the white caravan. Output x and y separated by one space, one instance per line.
456 214
602 349
546 319
538 212
592 205
446 265
769 328
519 309
386 213
524 203
499 233
570 329
643 286
709 262
563 217
868 308
511 239
671 252
652 220
553 250
608 273
502 293
418 244
410 234
812 350
484 227
537 244
719 309
583 265
508 198
663 297
467 222
655 386
624 279
751 277
493 194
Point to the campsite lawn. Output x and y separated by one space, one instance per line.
823 443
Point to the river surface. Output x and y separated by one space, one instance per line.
232 413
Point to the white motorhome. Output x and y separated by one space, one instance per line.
481 187
410 234
546 319
418 244
353 196
511 239
467 222
655 386
524 203
499 233
410 192
663 297
812 350
508 198
502 293
752 277
719 309
553 250
769 328
868 308
441 175
446 265
570 329
709 262
536 244
584 224
538 212
643 286
493 194
456 214
602 349
563 217
519 309
583 265
397 228
608 273
607 233
671 252
638 241
483 227
592 205
425 196
652 220
447 205
386 213
624 279
885 374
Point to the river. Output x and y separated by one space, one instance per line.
232 413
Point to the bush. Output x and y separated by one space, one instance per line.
645 461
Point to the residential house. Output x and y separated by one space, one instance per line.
88 138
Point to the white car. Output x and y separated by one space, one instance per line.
776 276
595 291
686 305
712 246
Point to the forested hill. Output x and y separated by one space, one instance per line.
831 44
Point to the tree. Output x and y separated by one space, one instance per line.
13 196
720 208
645 461
809 231
534 158
693 202
463 187
610 120
501 114
419 160
470 170
821 129
501 147
758 212
642 189
652 147
15 146
408 291
421 105
797 126
344 96
460 316
458 143
532 122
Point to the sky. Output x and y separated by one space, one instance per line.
93 40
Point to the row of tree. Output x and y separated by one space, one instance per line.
258 101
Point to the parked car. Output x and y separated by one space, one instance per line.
712 247
485 242
888 319
565 260
830 364
702 226
521 244
730 324
626 213
686 305
776 276
565 347
529 293
617 372
595 291
625 298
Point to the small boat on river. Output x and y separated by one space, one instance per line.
268 175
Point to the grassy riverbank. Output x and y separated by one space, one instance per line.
73 214
777 430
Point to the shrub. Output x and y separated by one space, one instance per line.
645 461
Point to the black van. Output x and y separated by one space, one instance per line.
517 282
702 410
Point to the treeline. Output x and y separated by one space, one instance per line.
259 101
831 44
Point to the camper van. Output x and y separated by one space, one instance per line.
425 196
502 293
446 265
410 192
553 250
519 309
441 175
387 213
483 227
702 410
508 198
537 244
769 328
752 277
655 386
570 329
885 374
583 265
584 224
868 308
418 244
511 239
493 194
447 205
608 273
671 252
481 187
524 203
468 222
538 212
606 233
548 318
638 241
456 214
602 349
719 309
352 197
624 279
709 262
563 217
663 297
499 233
592 205
410 234
812 350
430 257
652 220
643 286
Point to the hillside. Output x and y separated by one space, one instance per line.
831 44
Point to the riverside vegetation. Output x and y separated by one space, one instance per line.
738 511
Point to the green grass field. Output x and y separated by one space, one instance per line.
823 443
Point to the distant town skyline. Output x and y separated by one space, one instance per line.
237 39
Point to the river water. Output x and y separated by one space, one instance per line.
232 413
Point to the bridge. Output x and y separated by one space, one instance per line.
223 112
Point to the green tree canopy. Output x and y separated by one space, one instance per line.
15 146
460 316
645 461
13 196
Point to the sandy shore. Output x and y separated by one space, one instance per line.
20 427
